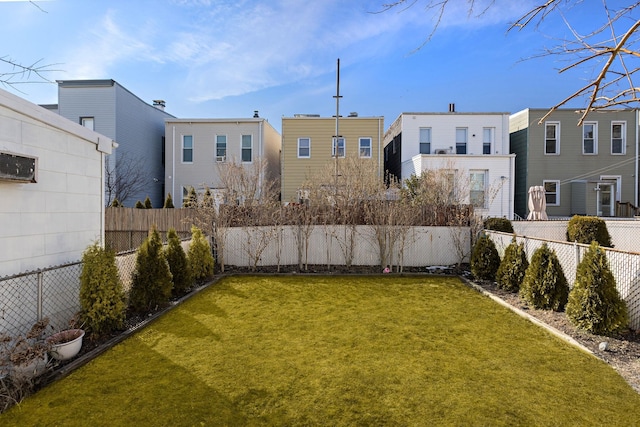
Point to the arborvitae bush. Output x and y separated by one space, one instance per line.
147 203
512 267
586 229
139 205
151 282
168 203
178 264
200 258
207 199
544 285
102 299
498 224
116 204
594 303
191 201
485 259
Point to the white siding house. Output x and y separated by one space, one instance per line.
52 204
476 145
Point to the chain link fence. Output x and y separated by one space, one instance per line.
26 298
52 292
625 266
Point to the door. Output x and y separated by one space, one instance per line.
606 199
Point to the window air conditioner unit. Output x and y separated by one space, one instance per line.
220 158
17 168
442 151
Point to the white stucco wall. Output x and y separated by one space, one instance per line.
499 181
52 221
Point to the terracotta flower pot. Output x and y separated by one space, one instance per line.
65 344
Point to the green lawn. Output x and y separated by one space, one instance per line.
337 351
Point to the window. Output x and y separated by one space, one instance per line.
461 140
590 138
221 148
552 138
618 145
247 144
477 188
88 122
425 140
552 192
339 143
304 148
187 149
487 140
365 147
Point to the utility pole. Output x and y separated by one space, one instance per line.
337 135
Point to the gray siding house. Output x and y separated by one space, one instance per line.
110 109
586 169
197 150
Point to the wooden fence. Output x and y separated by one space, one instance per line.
126 219
126 228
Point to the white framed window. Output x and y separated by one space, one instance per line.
618 140
364 147
590 138
552 191
552 138
88 122
461 140
477 188
487 140
304 148
187 148
247 148
221 148
425 140
338 144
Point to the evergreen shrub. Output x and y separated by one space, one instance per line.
147 203
151 282
512 267
102 299
586 229
139 205
168 203
498 224
594 303
545 285
178 264
485 259
199 256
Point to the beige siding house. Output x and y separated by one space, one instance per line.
307 146
195 148
585 169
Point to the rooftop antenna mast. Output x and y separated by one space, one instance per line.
337 135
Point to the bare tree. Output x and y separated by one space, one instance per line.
610 48
448 190
124 179
14 73
246 199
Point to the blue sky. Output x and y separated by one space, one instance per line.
209 58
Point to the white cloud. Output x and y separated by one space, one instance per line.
228 48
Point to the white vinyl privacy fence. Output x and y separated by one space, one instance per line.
343 245
625 266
